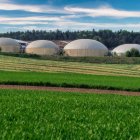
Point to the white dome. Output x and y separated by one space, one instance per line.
122 49
85 47
42 47
9 45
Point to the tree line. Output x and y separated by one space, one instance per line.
109 38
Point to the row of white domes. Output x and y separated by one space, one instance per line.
81 47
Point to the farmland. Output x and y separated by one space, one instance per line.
27 71
36 114
50 115
8 63
70 80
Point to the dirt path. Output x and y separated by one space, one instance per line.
80 90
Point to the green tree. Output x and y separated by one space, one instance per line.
128 54
133 53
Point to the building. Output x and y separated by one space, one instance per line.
122 49
23 45
85 48
42 47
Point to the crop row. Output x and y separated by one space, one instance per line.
50 115
26 64
70 80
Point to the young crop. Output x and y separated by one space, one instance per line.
54 115
70 80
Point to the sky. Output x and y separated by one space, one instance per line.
22 15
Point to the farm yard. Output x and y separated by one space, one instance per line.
47 114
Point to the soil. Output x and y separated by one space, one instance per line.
61 89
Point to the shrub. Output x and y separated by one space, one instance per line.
128 54
133 53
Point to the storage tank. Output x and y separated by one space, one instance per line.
42 47
122 49
85 48
9 45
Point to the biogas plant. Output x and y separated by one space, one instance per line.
76 48
42 47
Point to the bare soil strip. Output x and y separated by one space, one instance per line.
61 89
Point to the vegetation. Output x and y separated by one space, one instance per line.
8 63
27 71
98 60
50 115
54 115
70 80
109 38
133 53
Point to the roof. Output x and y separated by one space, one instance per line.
21 41
42 44
8 42
85 44
126 47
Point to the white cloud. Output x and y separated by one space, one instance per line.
73 12
70 25
25 23
29 20
61 22
25 28
104 11
64 22
82 26
8 5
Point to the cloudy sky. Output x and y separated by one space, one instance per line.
69 15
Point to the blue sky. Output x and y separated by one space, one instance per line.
21 15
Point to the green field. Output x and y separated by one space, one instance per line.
27 71
54 115
70 80
96 60
8 63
